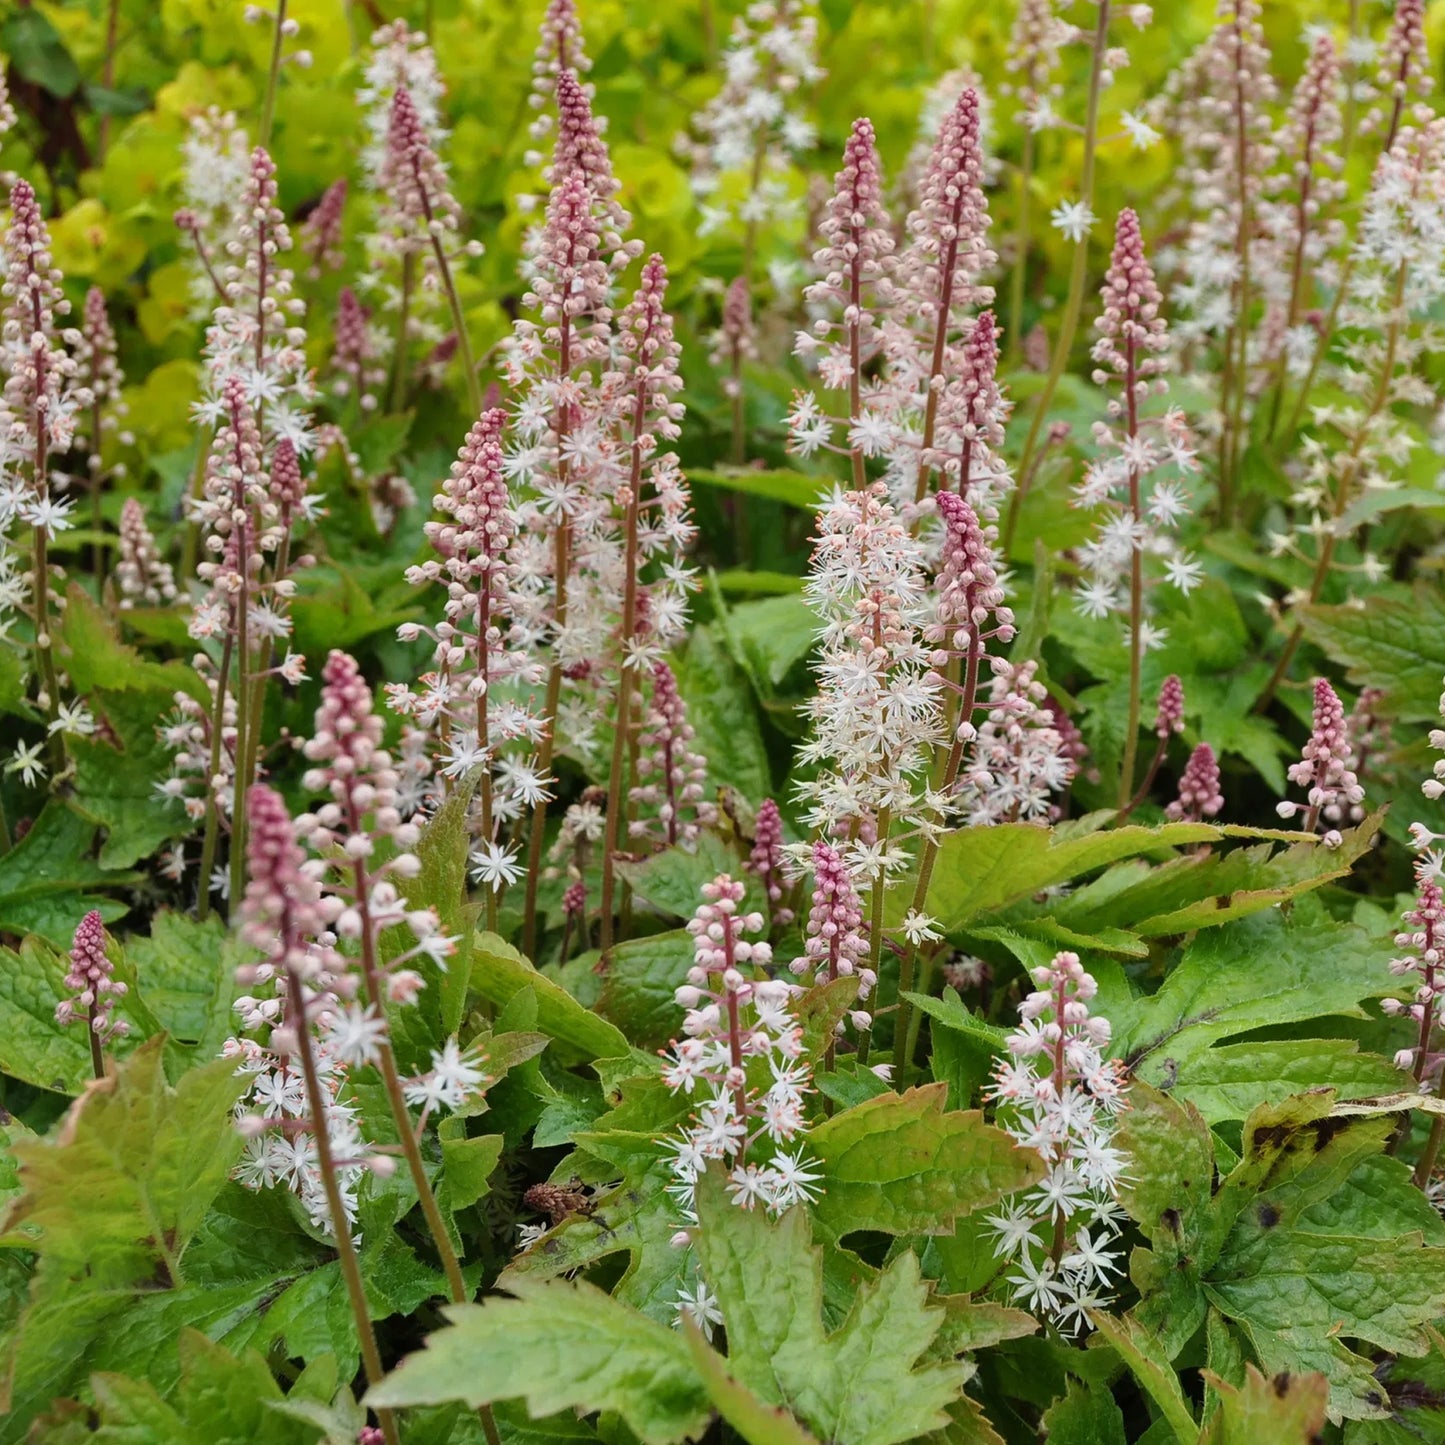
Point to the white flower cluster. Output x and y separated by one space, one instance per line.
742 1051
1019 759
754 124
876 714
1058 1095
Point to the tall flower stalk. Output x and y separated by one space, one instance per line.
645 385
850 267
1129 353
477 702
1396 280
42 398
282 915
352 832
563 423
1057 1094
1078 271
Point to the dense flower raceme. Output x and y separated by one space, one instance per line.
1199 796
742 1056
300 984
1141 508
1326 770
94 989
876 715
1421 942
765 862
835 944
936 407
668 795
1059 1095
476 703
143 577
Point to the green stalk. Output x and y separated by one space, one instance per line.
1136 594
345 1246
1078 273
1021 247
273 74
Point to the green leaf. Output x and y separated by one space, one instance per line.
467 1164
1387 641
671 880
640 979
1287 1410
1228 1081
863 1384
46 877
775 635
756 1422
985 868
721 710
557 1346
97 659
184 974
220 1400
1086 1415
901 1164
115 777
1312 1241
118 1193
1151 1368
1273 968
796 488
1167 1193
499 972
33 1046
38 53
336 610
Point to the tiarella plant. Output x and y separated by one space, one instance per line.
652 792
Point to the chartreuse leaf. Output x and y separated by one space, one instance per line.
903 1164
118 1192
985 868
1150 1366
1206 889
863 1384
1287 1410
220 1400
756 1422
558 1346
499 972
